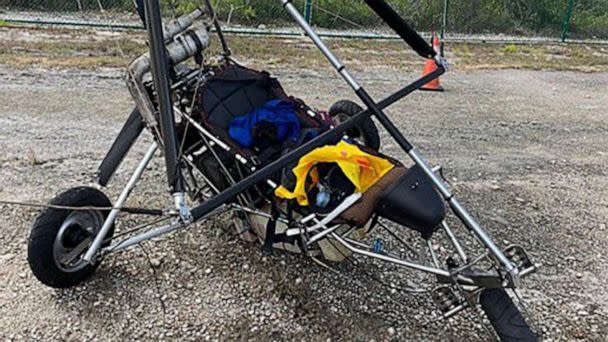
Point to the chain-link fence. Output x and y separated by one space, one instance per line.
501 19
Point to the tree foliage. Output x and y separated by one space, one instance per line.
466 16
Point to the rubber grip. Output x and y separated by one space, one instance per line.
395 22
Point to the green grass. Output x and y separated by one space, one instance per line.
89 49
509 48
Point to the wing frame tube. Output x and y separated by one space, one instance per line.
401 27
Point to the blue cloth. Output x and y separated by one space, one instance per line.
280 114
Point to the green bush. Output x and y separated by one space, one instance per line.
466 16
509 48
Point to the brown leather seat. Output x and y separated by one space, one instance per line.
362 211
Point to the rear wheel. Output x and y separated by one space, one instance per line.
505 317
365 133
60 237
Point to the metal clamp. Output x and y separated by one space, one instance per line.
182 208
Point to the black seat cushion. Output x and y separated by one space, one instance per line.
235 91
413 202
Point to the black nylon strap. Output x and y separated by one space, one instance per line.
272 237
271 228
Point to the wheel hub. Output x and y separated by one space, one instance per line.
74 237
354 133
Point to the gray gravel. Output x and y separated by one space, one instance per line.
526 150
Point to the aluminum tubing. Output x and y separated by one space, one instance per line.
181 23
182 47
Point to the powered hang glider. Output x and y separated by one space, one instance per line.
304 181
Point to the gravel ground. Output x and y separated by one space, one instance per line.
526 150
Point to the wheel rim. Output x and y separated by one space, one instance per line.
74 237
354 133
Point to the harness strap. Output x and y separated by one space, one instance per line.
271 235
271 228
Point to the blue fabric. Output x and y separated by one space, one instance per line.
278 113
308 134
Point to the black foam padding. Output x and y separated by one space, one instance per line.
395 22
128 134
236 92
413 202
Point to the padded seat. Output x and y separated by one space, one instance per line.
413 202
235 91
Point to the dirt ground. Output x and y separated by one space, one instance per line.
24 47
525 150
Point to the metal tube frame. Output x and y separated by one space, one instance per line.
457 208
424 268
160 77
373 108
454 241
122 198
353 245
150 234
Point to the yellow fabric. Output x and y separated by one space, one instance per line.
361 168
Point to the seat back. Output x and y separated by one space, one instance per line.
235 91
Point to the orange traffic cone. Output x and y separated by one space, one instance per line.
430 66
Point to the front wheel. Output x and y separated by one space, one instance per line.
60 237
365 132
505 317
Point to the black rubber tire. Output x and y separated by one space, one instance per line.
366 129
45 229
505 317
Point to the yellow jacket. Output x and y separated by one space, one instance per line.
361 168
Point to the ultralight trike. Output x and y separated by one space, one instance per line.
294 177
